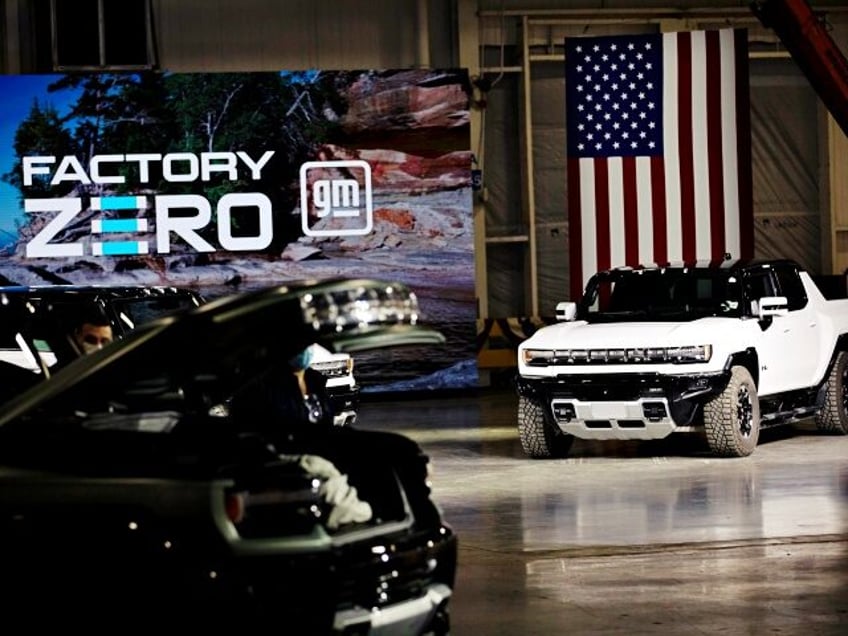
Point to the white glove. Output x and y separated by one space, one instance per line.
318 466
347 507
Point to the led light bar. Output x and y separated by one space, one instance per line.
364 306
618 355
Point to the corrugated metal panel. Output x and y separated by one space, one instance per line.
785 154
257 35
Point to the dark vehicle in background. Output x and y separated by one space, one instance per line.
128 495
55 310
128 306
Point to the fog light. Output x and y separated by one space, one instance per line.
564 411
653 411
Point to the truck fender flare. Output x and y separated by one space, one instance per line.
526 388
748 359
840 345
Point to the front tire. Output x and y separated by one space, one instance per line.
732 418
539 439
833 416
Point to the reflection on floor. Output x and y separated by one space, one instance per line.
633 537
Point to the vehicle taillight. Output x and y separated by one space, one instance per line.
234 505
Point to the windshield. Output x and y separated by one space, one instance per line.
137 311
669 294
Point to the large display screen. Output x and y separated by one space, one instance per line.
225 182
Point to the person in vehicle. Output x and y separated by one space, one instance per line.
297 396
301 414
292 410
92 330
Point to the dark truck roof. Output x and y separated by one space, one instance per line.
687 291
728 265
36 323
126 306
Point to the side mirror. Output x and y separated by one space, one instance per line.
566 311
770 306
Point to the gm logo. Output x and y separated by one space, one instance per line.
347 198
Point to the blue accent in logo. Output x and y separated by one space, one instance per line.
121 248
119 203
120 225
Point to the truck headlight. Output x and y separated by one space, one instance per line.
695 353
541 357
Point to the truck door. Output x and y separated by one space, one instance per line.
789 343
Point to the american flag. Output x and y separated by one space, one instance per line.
659 164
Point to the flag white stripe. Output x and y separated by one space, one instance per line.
616 211
645 217
700 147
672 163
729 160
589 256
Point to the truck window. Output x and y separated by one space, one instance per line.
759 283
668 294
791 286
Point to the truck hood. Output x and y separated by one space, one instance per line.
584 335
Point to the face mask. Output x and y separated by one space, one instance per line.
302 360
87 347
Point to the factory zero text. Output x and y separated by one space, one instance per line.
182 167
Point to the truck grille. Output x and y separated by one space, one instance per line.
385 572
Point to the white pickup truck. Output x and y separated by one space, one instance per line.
725 350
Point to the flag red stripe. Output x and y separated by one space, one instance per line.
575 229
714 146
659 210
631 218
684 141
602 221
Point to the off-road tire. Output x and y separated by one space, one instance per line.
732 418
833 416
539 438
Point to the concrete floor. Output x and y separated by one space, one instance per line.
633 537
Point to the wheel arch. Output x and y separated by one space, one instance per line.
748 359
528 388
839 346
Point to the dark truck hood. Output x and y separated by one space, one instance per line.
191 361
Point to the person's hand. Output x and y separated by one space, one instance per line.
347 507
318 466
345 504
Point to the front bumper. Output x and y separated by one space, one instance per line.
624 406
636 419
394 584
428 613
